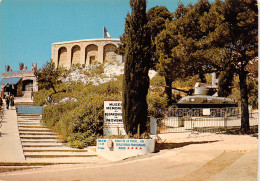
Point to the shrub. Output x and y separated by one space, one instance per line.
157 103
41 96
80 122
252 86
158 81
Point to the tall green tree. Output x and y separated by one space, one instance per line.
156 21
136 41
168 65
179 46
232 28
48 76
225 82
191 39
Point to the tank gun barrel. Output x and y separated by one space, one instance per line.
189 92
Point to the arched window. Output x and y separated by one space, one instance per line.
75 55
109 53
91 54
62 57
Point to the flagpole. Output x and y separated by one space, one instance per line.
103 31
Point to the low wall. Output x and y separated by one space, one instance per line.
119 149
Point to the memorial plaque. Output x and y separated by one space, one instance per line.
113 122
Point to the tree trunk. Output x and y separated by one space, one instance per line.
53 88
168 90
244 103
202 77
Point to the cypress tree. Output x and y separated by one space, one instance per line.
136 42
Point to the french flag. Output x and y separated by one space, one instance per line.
106 34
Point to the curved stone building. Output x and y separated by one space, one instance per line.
85 52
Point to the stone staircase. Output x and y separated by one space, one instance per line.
42 145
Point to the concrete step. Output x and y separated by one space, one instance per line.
36 133
57 154
40 141
29 121
12 169
67 160
39 136
35 129
24 164
29 115
18 167
25 145
31 126
49 149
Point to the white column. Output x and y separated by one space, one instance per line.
68 62
101 53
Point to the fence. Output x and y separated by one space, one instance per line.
199 120
190 124
253 120
199 112
1 117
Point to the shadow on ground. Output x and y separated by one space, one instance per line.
162 146
236 130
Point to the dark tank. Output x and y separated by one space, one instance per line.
203 103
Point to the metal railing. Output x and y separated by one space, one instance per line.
190 124
198 112
199 120
1 117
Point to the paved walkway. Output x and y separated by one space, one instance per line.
10 144
207 157
241 167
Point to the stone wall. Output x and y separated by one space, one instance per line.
85 52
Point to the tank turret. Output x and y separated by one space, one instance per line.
203 99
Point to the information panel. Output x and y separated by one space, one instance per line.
113 122
119 149
29 109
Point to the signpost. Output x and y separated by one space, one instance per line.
113 122
119 149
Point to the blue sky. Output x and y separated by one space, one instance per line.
29 27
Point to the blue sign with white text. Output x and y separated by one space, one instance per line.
29 109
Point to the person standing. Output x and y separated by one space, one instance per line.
12 101
1 102
7 101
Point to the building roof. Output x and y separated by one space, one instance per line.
10 81
88 40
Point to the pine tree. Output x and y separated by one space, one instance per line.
225 81
233 37
156 21
179 46
48 76
136 42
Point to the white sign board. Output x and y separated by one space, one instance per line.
113 121
119 149
206 112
